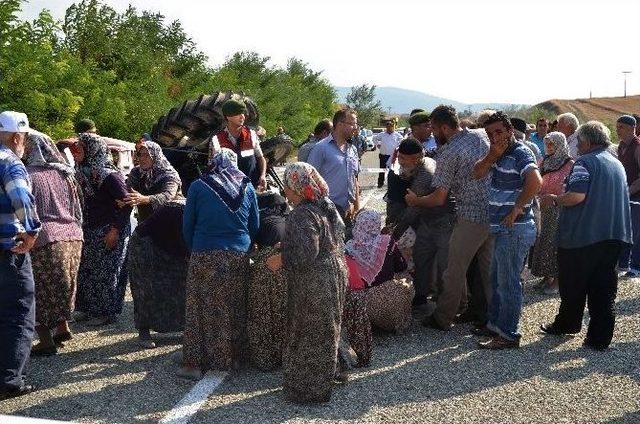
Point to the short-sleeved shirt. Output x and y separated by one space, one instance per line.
387 142
455 173
507 181
214 145
538 141
339 169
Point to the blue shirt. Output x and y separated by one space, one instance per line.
507 181
429 144
535 139
17 204
208 224
339 169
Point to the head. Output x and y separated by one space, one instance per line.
368 224
553 141
417 110
323 129
420 123
303 183
499 128
519 128
14 127
390 125
344 121
567 124
467 123
234 112
410 154
280 131
85 125
626 127
444 123
591 136
145 161
542 127
483 116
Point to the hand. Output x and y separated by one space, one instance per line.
262 183
547 200
134 198
274 263
386 230
24 242
111 238
411 198
497 149
511 218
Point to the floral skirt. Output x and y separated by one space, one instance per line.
158 285
356 328
545 251
215 335
102 277
55 272
389 305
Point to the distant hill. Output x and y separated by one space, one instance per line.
604 109
401 101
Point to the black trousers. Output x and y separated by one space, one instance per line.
383 164
588 275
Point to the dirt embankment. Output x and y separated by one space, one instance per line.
604 109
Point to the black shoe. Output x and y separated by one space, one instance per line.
464 318
593 346
553 330
24 390
39 350
419 300
431 322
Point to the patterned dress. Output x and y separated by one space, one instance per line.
313 260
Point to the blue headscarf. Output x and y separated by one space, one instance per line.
225 179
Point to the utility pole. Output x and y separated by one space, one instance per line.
625 82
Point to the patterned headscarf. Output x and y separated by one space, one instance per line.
225 179
305 181
557 160
368 247
160 171
97 164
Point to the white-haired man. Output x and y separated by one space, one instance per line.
568 124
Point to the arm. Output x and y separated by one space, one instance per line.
301 244
189 215
437 198
576 191
117 189
532 184
16 185
316 157
634 186
254 212
483 166
399 263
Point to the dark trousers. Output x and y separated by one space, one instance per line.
431 250
477 296
588 275
383 164
17 318
630 255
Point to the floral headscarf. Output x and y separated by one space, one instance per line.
368 247
225 179
561 156
160 171
305 181
97 164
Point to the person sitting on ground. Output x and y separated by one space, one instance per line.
56 254
220 219
320 132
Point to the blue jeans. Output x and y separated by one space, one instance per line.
17 318
630 255
510 252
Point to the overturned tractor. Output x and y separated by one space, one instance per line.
184 133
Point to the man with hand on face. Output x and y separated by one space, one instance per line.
515 180
243 141
19 227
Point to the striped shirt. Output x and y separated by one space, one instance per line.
17 205
507 180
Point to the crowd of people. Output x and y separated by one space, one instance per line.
298 281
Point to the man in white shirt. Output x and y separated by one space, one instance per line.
568 124
386 142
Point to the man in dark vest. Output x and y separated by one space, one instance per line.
629 155
242 140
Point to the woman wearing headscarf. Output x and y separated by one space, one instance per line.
555 167
153 181
220 219
56 254
379 261
313 261
102 277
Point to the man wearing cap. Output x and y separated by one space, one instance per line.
629 155
421 130
85 126
19 226
242 140
520 134
387 142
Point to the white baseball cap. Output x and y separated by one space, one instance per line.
14 122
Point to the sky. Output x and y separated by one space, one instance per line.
518 51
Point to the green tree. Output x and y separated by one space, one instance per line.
363 99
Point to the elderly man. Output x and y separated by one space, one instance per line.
19 226
542 129
567 125
242 140
320 132
387 142
515 181
336 159
594 225
629 156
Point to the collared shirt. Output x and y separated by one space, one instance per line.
429 144
305 150
538 141
508 176
386 142
572 141
455 173
17 204
339 169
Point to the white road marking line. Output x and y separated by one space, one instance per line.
197 396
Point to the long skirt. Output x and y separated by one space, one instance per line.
215 333
389 305
102 277
356 326
545 251
316 295
158 286
55 272
267 313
